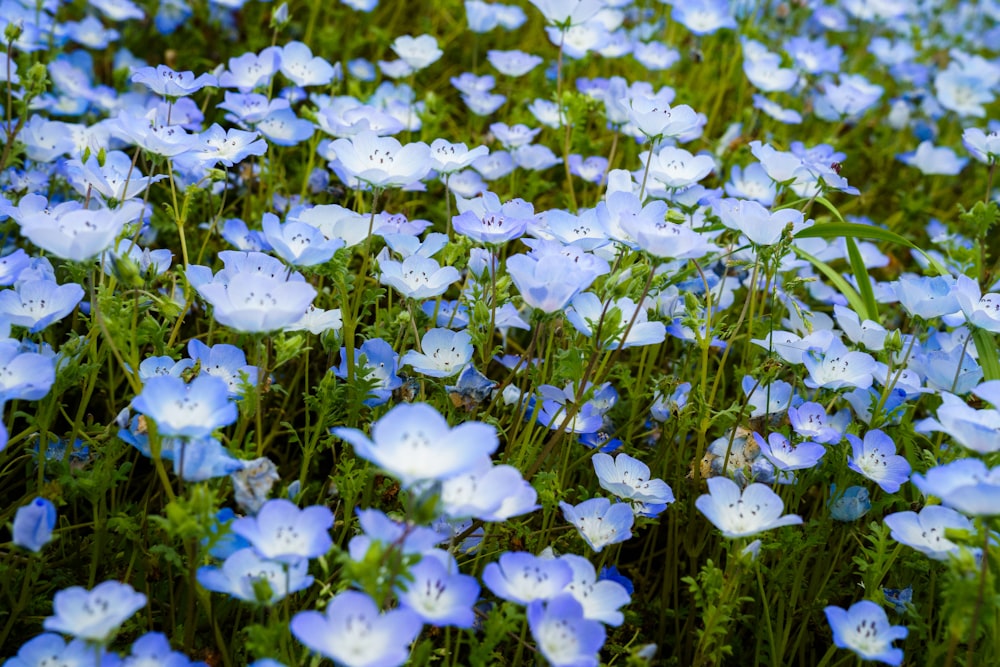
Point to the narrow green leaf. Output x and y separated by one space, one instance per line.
852 296
987 350
830 207
833 230
861 277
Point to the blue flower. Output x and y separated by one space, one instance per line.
599 522
376 358
244 573
414 443
444 354
352 632
899 598
523 577
153 648
438 593
166 82
875 457
851 505
33 524
927 531
865 630
966 485
50 649
96 614
186 410
283 532
740 514
564 636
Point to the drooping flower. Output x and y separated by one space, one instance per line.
33 524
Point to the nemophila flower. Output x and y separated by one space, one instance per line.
513 63
50 649
377 359
590 169
864 401
186 410
445 353
599 522
251 70
114 178
966 485
304 69
899 598
566 13
758 224
805 168
254 293
926 531
980 310
971 428
675 168
865 630
80 234
740 514
768 399
417 52
352 632
600 597
33 524
409 538
587 312
875 457
763 69
382 161
170 84
751 182
227 147
984 146
810 420
776 111
837 367
933 160
283 532
298 243
438 593
785 456
486 220
224 361
447 158
522 577
954 370
869 333
704 17
563 635
35 304
245 572
850 505
414 443
153 648
417 277
487 492
653 116
927 297
96 614
629 479
548 283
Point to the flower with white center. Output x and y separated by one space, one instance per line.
741 514
523 577
414 443
186 410
302 68
676 168
565 637
96 614
417 52
587 311
601 600
629 479
283 532
353 633
164 81
926 531
599 522
758 224
418 277
865 629
875 457
654 117
244 570
447 158
779 451
382 161
835 367
445 353
439 594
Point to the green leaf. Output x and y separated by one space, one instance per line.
861 278
833 230
987 349
845 288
